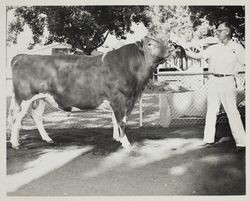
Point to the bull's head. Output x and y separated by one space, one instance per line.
155 50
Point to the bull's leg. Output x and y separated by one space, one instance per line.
120 117
37 115
17 123
115 128
124 120
123 137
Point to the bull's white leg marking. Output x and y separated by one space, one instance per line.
19 116
17 124
13 110
118 132
115 128
123 137
37 115
118 136
125 119
124 140
104 106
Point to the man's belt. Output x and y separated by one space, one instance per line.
222 75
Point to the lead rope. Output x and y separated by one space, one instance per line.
235 82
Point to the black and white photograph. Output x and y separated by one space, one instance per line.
125 100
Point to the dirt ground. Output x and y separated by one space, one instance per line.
163 161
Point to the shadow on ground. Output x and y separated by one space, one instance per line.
162 162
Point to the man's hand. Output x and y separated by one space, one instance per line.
193 55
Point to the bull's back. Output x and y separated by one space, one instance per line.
66 77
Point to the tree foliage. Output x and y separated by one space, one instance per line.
167 21
87 27
195 22
83 27
175 23
235 15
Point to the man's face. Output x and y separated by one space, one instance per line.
222 32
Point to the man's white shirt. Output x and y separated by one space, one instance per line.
225 59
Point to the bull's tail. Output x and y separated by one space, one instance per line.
10 118
13 102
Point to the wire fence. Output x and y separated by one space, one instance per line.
171 99
177 99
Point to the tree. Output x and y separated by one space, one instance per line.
83 27
170 21
235 15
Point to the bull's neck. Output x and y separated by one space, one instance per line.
144 74
146 69
140 62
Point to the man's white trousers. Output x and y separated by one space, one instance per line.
223 90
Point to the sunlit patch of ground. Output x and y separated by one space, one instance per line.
148 151
47 161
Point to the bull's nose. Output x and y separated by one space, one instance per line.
172 48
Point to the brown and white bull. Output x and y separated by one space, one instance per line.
85 82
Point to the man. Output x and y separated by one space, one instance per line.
224 59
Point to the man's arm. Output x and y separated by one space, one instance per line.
193 55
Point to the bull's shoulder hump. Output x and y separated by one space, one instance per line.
123 55
129 50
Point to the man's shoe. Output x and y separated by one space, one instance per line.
240 149
207 145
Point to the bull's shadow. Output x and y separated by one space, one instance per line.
101 138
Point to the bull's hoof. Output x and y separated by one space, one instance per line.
8 133
126 145
15 144
50 142
117 139
16 147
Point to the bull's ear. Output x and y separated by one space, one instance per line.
139 44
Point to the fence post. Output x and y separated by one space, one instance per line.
140 110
